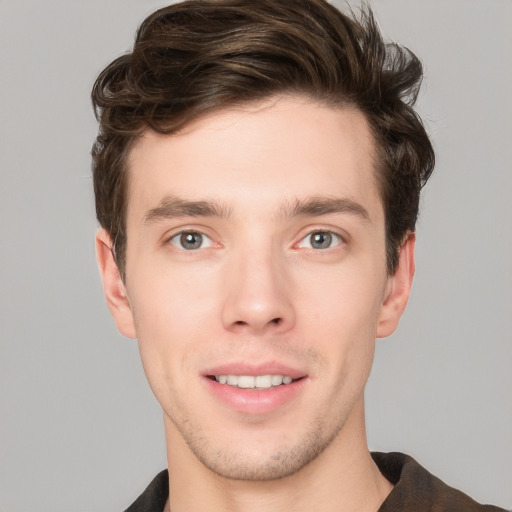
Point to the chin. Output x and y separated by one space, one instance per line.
254 463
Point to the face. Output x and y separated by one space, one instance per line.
256 282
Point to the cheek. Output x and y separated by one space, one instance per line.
166 328
172 311
340 316
173 297
346 300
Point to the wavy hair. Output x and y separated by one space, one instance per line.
195 57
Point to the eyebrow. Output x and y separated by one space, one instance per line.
315 206
173 206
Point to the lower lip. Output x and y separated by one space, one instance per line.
255 401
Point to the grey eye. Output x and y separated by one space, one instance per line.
191 241
321 240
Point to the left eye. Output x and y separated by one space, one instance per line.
321 240
191 241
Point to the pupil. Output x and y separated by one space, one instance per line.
191 240
321 240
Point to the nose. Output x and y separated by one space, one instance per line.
258 294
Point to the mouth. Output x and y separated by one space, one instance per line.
255 391
256 382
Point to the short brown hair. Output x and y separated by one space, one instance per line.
198 56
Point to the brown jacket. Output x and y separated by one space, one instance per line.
415 490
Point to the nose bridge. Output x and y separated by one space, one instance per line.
258 288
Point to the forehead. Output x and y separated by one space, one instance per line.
262 156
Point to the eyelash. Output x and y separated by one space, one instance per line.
177 240
332 237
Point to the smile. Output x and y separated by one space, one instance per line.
255 391
253 382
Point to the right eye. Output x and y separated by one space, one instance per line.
319 240
191 241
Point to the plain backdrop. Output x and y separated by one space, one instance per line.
79 427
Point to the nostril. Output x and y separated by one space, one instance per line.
242 324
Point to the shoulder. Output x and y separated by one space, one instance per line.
417 489
153 499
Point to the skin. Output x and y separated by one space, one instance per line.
257 291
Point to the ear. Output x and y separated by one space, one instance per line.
113 285
398 289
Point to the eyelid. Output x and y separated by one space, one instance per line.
176 234
171 232
342 239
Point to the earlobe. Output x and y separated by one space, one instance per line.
113 285
398 289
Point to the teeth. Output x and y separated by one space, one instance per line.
251 382
276 380
245 381
232 380
263 381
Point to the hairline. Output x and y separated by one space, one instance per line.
335 103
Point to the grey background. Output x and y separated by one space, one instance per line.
79 428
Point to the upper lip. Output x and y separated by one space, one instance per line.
245 368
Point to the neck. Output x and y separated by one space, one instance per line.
343 478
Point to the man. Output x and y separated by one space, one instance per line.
257 178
